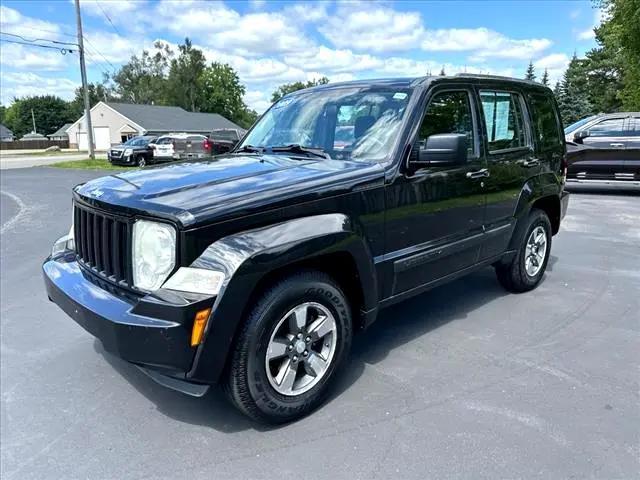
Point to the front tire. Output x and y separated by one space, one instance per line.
142 161
525 271
290 348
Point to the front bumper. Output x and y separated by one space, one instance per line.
152 330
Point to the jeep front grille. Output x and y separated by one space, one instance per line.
102 244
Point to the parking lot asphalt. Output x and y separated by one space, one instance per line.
465 381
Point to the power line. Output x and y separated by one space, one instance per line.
38 39
99 52
108 18
52 31
64 51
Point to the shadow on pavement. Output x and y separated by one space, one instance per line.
395 327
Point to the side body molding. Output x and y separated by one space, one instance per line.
246 257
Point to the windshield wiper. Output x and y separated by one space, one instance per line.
250 149
296 148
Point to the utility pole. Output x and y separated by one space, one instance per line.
33 119
83 74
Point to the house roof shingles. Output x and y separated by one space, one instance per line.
5 132
61 131
158 118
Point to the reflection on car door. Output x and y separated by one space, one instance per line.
632 150
511 161
434 215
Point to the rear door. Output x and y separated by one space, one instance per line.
511 160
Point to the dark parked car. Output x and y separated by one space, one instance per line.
256 268
604 149
134 152
223 140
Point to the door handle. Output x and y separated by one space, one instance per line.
617 144
533 162
478 173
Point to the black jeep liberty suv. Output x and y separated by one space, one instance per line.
255 268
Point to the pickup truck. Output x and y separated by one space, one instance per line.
255 269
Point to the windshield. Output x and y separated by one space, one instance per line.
224 135
350 123
137 142
578 124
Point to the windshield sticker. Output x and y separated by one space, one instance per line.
399 96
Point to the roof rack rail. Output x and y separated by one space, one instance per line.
497 77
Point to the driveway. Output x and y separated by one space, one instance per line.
465 381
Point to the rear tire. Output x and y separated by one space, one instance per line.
290 349
527 268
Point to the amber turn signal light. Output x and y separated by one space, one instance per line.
199 324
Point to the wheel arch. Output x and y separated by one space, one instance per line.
253 260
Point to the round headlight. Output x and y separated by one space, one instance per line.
154 253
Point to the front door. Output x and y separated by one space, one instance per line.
604 156
434 214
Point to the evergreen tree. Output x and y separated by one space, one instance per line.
442 72
531 72
545 78
573 99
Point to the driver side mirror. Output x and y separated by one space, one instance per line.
581 135
439 150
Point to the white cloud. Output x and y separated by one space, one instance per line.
373 27
307 12
334 60
588 34
555 64
33 58
27 84
12 21
484 43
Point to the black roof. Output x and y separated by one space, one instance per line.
414 81
160 118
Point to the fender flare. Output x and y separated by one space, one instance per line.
540 186
247 257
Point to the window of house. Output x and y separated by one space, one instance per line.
612 127
504 120
448 112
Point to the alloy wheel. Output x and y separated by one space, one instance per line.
301 348
535 251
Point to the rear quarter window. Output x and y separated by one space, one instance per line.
545 120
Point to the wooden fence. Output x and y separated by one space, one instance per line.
33 144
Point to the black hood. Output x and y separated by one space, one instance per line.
199 192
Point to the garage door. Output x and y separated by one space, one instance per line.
102 138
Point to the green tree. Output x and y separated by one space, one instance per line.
3 111
614 65
50 113
442 72
295 86
545 78
142 79
222 91
573 100
531 72
246 118
184 83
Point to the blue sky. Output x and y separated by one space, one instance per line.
275 42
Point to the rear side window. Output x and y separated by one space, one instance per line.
449 112
612 127
504 120
545 120
634 127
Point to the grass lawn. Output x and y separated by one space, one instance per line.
88 164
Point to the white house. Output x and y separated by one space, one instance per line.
114 123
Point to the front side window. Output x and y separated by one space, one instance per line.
504 120
348 123
448 112
612 127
